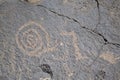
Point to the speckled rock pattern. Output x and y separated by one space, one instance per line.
75 39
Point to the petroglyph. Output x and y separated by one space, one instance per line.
65 1
117 58
32 1
66 56
45 78
30 39
78 55
68 71
109 57
64 59
24 45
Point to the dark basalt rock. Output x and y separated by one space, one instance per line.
79 39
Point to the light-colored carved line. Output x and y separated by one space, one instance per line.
45 79
46 36
68 71
117 58
32 1
50 49
75 43
39 37
65 1
109 57
32 22
31 53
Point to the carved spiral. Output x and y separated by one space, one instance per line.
29 39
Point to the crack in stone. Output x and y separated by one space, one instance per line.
94 60
62 15
99 17
115 44
99 51
97 3
90 30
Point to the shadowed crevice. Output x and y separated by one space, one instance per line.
99 17
76 21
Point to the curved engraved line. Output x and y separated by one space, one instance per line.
30 53
75 44
22 27
39 37
32 22
19 42
31 41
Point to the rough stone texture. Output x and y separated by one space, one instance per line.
78 39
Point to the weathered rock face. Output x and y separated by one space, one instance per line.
74 39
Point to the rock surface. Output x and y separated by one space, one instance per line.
78 39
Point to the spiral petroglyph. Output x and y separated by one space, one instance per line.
30 38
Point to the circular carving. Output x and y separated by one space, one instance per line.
29 39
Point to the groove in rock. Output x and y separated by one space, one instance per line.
76 21
99 17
